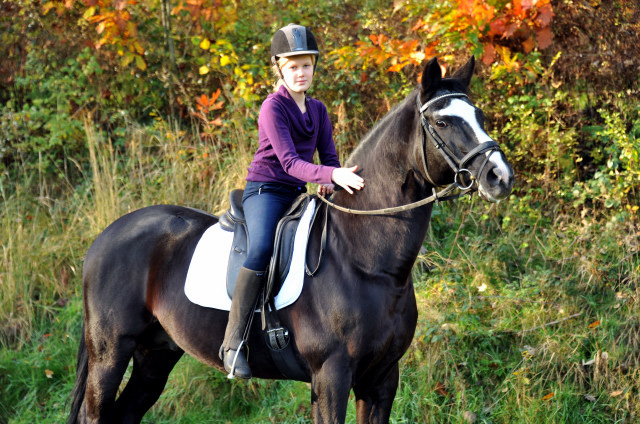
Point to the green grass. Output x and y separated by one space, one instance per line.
528 312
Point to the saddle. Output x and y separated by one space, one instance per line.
233 220
276 336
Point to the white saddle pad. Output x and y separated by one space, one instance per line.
206 283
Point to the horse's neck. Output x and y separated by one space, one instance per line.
389 242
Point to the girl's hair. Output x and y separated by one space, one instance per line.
283 61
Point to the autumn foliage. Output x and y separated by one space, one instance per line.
492 28
205 64
520 25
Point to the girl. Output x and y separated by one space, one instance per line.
291 127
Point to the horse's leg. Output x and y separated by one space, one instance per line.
330 387
151 368
375 398
108 360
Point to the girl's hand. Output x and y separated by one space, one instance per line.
347 178
325 189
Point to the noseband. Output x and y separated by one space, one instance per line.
458 165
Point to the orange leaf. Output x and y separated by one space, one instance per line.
419 25
465 6
489 54
528 44
497 26
616 393
482 12
214 96
545 15
517 9
594 324
549 396
397 67
203 100
544 37
440 389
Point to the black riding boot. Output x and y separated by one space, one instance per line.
245 294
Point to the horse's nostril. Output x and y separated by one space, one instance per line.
498 173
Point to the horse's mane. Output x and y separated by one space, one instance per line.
389 123
394 123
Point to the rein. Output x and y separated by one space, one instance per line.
442 195
458 166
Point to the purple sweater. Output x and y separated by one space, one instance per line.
288 140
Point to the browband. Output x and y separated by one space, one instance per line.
424 107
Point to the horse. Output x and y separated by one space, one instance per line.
357 314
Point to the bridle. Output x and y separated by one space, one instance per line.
457 165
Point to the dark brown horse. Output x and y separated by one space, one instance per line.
354 319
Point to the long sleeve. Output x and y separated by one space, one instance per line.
273 121
288 140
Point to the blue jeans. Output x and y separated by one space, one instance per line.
264 204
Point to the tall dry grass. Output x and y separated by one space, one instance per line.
46 230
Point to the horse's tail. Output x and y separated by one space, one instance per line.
82 371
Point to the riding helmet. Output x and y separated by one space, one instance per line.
293 40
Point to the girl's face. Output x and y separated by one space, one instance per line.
298 73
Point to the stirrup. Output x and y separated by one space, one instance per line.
231 375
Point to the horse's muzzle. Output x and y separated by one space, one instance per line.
497 178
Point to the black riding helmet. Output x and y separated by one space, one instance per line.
293 40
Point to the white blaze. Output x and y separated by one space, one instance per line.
461 109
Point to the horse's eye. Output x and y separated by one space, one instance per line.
441 124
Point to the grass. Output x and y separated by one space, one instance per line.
528 313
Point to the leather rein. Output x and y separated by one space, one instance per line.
458 166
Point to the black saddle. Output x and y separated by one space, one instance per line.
277 337
233 220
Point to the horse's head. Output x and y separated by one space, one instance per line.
454 145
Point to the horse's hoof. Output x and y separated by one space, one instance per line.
235 363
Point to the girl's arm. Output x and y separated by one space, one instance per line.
274 124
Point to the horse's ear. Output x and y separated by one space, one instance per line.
466 72
431 76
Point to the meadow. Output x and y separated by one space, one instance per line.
529 309
527 313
